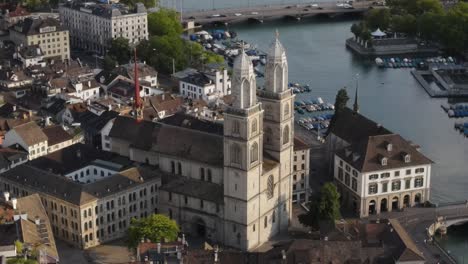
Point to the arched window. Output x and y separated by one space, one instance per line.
235 154
254 126
202 174
247 97
268 135
286 135
270 187
254 153
278 79
273 217
235 127
286 110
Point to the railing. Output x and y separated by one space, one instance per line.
446 254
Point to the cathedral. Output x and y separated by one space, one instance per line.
230 183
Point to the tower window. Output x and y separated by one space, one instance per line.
270 187
235 127
286 135
286 110
254 153
235 154
254 126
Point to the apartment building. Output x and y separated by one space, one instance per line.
93 25
301 171
89 195
48 33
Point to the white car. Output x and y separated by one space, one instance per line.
215 15
314 5
340 5
238 14
254 13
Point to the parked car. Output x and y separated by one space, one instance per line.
238 14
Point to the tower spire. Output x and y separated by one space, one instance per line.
356 105
137 105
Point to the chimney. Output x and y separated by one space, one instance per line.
159 247
283 254
14 202
14 108
89 84
6 195
179 253
78 153
47 121
183 239
163 97
37 220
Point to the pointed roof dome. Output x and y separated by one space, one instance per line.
276 50
242 64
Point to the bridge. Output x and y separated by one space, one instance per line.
423 223
270 12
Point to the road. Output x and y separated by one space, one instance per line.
260 13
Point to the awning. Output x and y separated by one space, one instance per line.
378 33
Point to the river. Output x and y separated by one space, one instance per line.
317 56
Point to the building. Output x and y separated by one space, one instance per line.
48 33
25 219
30 137
11 14
11 157
376 170
93 25
227 182
30 56
57 138
301 172
89 195
208 86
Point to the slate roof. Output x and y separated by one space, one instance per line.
105 10
354 127
194 188
31 26
57 106
366 155
10 154
171 140
56 135
198 79
94 123
40 236
191 122
74 157
75 192
31 133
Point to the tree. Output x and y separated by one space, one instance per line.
356 29
147 3
164 22
378 18
19 260
329 206
19 246
341 100
120 50
156 227
109 63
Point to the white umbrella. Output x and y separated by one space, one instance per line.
378 33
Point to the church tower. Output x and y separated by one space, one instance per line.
243 159
278 125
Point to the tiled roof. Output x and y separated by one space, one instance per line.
74 192
31 133
31 26
299 144
366 155
56 135
194 188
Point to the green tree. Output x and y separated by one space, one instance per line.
164 22
109 63
341 100
19 246
378 18
405 24
147 3
329 205
356 29
120 50
156 227
19 260
325 208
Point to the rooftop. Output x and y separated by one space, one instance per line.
56 135
34 26
31 133
105 10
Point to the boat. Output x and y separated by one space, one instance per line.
379 62
300 111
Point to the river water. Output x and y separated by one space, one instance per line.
317 55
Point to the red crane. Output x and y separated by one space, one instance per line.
137 104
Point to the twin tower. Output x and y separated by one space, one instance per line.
258 151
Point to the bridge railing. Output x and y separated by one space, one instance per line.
447 204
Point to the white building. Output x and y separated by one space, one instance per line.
30 137
93 25
208 86
376 170
301 172
30 56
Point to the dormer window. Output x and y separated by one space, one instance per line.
406 157
383 161
389 147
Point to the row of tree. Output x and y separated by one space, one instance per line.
425 19
165 48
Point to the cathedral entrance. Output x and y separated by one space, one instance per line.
199 227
